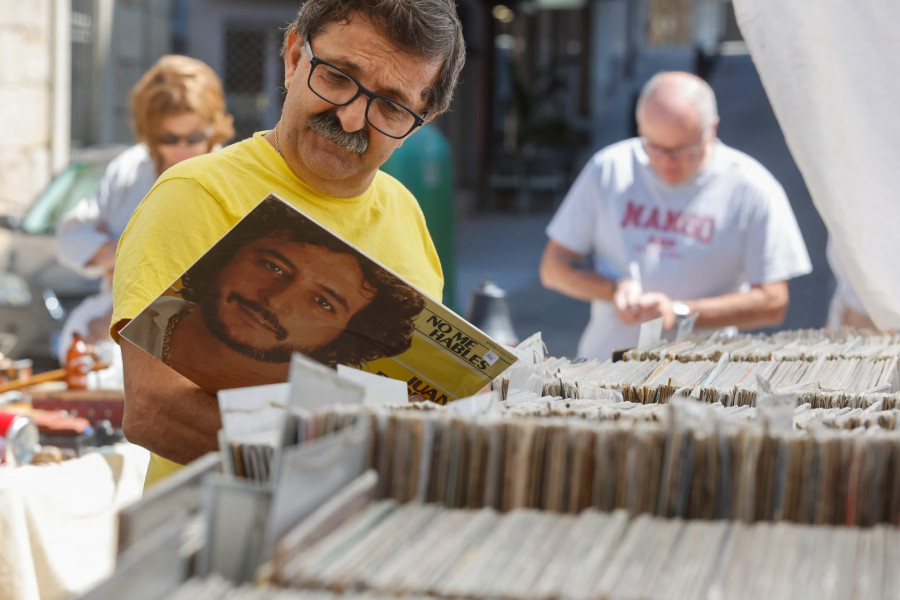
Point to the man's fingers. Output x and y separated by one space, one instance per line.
627 295
630 315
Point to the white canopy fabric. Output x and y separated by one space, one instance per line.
831 70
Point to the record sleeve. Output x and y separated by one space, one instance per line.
277 283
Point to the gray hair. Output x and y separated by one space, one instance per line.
696 91
427 28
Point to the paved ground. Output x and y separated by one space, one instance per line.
506 247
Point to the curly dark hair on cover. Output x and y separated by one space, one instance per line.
382 329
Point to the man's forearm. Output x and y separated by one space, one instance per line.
583 285
747 310
177 434
564 271
165 412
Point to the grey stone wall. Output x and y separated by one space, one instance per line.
36 82
26 99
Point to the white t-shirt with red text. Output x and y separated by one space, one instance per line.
728 227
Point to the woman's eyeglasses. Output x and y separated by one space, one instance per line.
170 139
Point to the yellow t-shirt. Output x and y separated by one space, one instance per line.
194 204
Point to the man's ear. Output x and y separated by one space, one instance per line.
293 52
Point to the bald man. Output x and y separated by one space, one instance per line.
672 224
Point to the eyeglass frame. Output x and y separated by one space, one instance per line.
679 153
315 61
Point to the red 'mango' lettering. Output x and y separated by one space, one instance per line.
632 215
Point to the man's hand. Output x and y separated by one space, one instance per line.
105 258
654 305
644 307
853 318
627 300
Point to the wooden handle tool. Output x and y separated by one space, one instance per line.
54 375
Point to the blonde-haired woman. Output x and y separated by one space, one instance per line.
178 112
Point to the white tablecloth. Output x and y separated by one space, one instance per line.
58 521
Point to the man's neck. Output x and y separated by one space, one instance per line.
336 188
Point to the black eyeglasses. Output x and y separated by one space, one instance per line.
170 139
338 87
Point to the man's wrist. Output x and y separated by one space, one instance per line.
681 310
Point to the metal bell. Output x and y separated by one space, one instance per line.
489 311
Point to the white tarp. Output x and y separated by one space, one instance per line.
831 69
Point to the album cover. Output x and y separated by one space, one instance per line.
279 282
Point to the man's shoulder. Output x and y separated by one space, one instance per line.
622 150
209 165
391 192
744 171
385 182
738 163
619 160
614 167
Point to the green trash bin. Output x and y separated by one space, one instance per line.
424 164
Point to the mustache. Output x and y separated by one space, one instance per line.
266 315
328 125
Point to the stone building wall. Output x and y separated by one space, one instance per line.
26 99
38 85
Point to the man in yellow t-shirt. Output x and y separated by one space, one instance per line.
360 78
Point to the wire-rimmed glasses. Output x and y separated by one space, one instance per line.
679 153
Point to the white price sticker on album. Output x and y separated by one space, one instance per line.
490 358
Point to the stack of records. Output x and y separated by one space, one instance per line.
685 460
388 550
683 471
804 344
821 369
